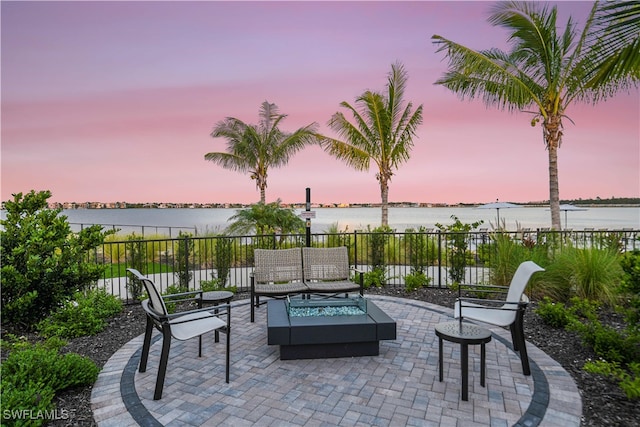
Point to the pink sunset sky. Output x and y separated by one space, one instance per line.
115 101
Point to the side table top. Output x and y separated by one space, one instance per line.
463 333
216 296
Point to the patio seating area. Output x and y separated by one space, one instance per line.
400 386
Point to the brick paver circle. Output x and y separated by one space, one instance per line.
398 387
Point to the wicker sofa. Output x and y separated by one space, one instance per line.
279 273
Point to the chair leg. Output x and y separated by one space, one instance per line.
253 299
522 346
253 308
164 358
145 346
228 350
514 336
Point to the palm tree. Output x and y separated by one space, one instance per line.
383 132
264 218
256 148
545 69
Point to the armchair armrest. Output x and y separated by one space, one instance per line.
496 289
170 297
222 309
492 304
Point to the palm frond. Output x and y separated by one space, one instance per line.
490 75
227 161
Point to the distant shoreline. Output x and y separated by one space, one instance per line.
99 205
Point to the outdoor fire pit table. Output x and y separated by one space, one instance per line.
316 328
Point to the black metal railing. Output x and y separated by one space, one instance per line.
443 257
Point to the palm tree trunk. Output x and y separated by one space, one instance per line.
553 133
263 195
554 192
384 194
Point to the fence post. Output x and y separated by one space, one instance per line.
439 258
355 248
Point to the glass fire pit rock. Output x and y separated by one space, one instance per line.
354 305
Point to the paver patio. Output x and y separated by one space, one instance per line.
396 388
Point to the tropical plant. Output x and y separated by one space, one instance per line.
383 132
337 237
546 69
261 218
508 253
590 274
256 148
43 262
415 280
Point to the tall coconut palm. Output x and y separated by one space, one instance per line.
544 69
256 148
383 132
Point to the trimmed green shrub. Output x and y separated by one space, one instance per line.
33 374
43 262
630 263
630 288
554 314
84 315
609 343
629 381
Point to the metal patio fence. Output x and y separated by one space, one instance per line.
189 262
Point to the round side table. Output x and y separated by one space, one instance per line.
464 334
215 298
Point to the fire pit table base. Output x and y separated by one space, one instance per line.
326 351
320 337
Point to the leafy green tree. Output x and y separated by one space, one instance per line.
264 218
136 255
546 69
458 242
223 257
43 261
383 132
256 148
184 254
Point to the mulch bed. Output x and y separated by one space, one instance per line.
604 403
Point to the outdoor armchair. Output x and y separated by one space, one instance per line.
504 312
181 326
277 274
326 270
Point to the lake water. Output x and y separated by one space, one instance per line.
215 220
